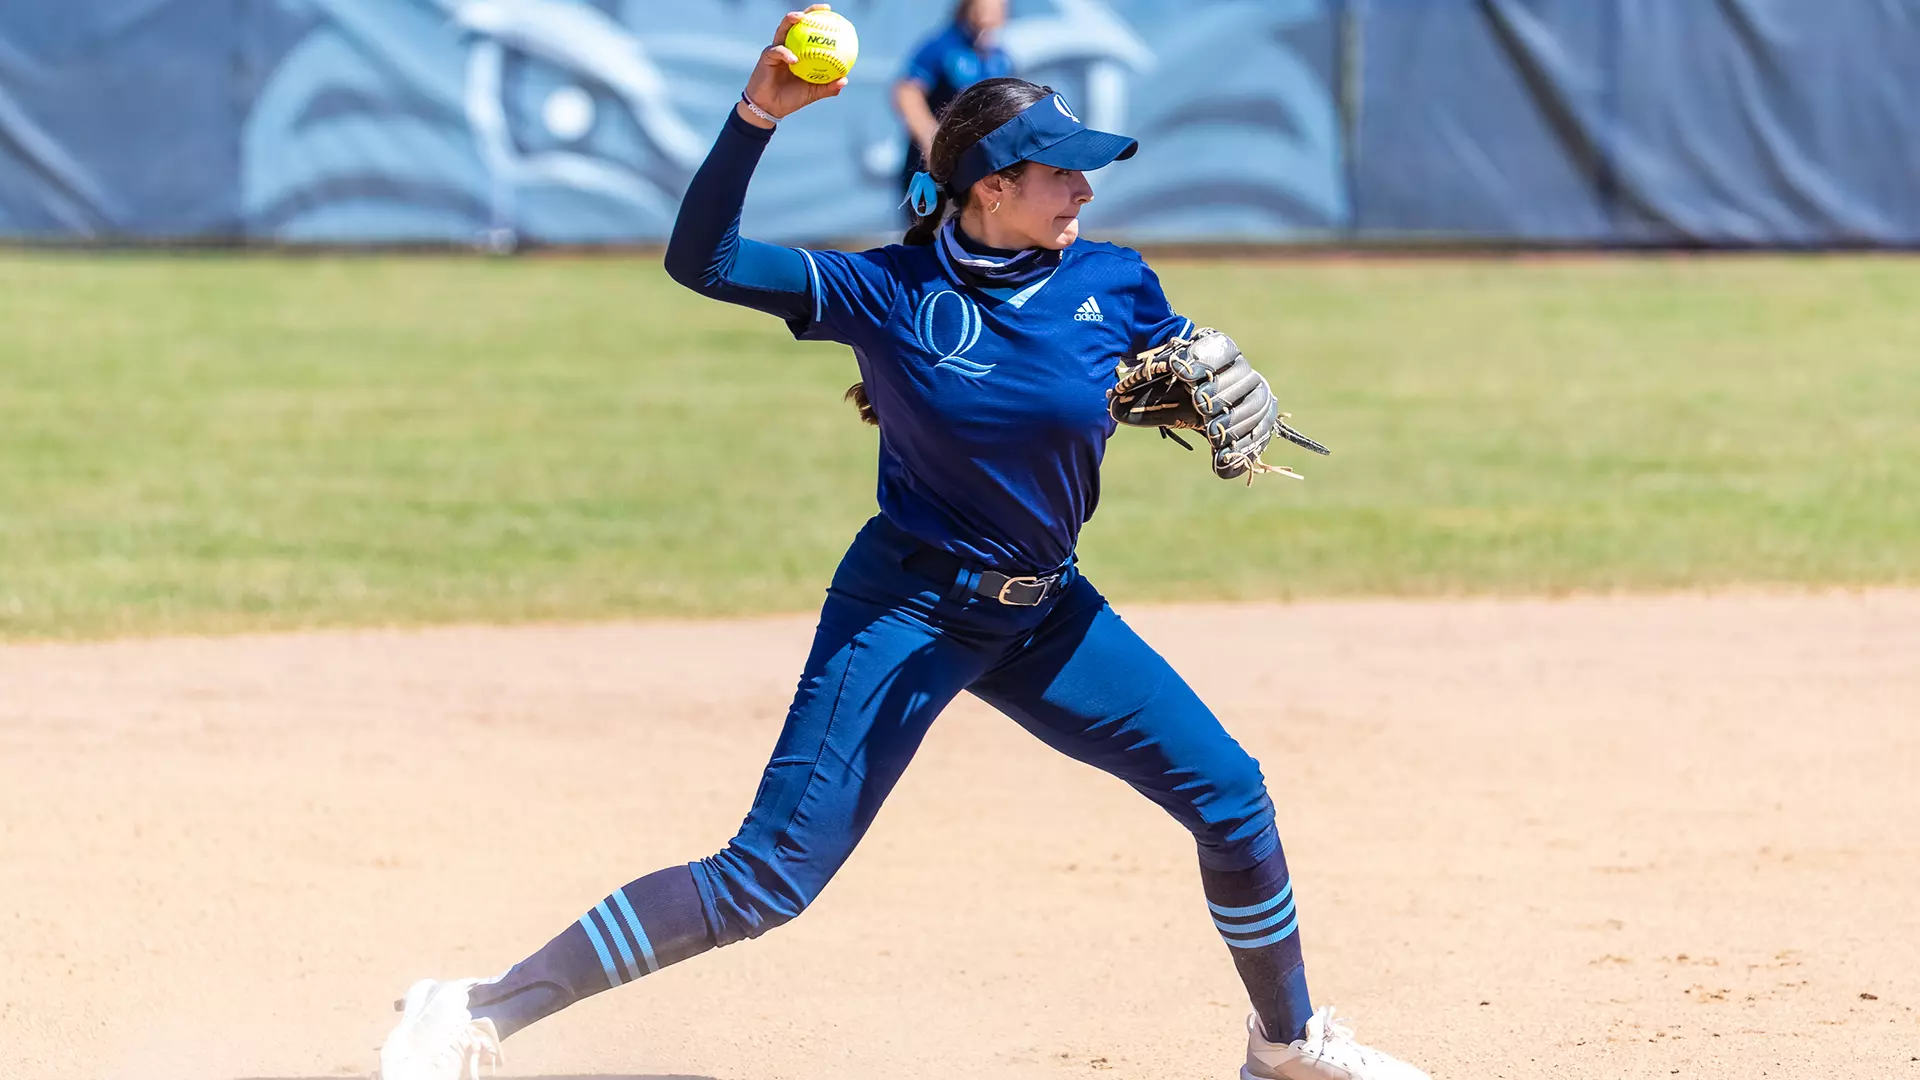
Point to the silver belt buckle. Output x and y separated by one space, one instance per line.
1012 581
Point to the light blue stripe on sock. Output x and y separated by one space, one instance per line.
639 932
600 946
619 940
1259 943
1270 921
1260 908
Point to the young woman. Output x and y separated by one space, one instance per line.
986 343
962 54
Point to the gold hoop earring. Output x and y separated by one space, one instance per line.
995 208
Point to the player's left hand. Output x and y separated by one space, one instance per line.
1205 384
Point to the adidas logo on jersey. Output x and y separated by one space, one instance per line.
1089 312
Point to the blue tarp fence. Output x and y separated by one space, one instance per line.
500 122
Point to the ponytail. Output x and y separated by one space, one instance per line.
857 393
925 228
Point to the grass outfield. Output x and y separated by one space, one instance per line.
216 443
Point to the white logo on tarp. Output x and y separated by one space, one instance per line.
1061 104
1089 312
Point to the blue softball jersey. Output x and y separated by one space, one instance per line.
992 408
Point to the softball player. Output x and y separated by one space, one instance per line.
986 343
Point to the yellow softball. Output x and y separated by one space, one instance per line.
826 45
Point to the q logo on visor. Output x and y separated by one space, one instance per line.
946 325
1061 104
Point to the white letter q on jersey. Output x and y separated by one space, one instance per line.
937 325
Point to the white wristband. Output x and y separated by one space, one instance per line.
757 110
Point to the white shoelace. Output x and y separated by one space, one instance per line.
1338 1045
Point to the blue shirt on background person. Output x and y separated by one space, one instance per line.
964 53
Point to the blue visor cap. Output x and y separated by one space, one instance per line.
1047 132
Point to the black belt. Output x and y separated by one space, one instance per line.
1015 590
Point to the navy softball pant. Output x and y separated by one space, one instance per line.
892 649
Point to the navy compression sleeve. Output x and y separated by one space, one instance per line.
707 253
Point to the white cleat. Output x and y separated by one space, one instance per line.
1327 1053
437 1038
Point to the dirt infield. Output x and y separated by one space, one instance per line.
1590 839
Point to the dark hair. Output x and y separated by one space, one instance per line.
974 113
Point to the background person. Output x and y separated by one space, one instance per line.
967 51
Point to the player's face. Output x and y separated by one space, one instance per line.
1043 207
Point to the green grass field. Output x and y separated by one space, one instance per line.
216 443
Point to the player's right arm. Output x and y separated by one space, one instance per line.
912 94
706 252
910 101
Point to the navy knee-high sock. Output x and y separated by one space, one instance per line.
640 928
1254 912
